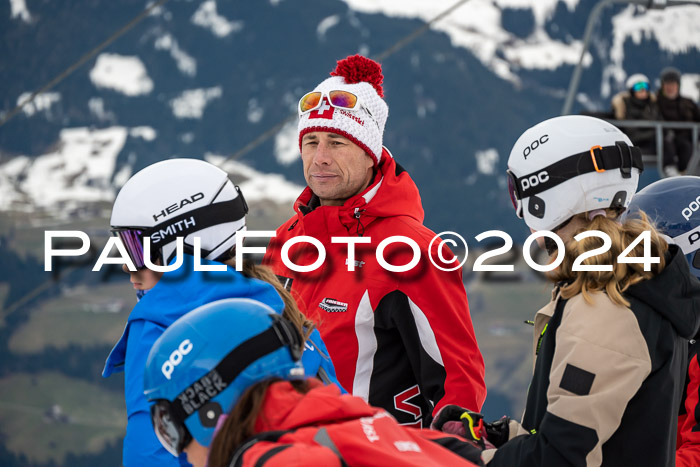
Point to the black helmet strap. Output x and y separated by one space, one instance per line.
282 333
597 159
195 220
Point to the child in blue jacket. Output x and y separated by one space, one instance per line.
195 201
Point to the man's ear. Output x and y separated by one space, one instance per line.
369 160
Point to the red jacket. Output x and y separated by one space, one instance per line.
401 341
325 428
688 440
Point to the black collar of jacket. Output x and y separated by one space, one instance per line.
674 293
314 202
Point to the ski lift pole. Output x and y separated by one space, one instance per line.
590 24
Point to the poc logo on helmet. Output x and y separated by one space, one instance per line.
534 145
175 359
534 180
692 207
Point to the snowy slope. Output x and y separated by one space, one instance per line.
79 170
205 78
258 186
675 30
202 77
82 170
477 25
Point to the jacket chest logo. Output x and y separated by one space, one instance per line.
333 306
358 264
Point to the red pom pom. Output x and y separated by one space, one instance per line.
358 69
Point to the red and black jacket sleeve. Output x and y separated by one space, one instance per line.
688 441
440 311
429 315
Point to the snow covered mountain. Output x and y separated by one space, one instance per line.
204 79
207 77
82 170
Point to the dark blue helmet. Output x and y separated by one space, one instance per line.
673 204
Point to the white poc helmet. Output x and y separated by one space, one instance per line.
569 165
179 198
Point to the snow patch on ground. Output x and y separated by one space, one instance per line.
78 171
123 176
18 9
41 103
585 101
96 105
690 86
255 111
545 54
207 17
477 26
192 102
9 173
675 29
325 24
258 185
487 161
145 132
668 27
158 11
185 62
287 144
124 74
542 10
424 105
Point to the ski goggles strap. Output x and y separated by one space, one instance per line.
597 159
207 216
179 226
281 333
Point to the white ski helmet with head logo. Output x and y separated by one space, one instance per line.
569 165
179 198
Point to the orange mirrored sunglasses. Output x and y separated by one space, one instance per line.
340 99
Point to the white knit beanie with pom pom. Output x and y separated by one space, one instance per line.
363 125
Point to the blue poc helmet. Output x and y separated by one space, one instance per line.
673 204
201 365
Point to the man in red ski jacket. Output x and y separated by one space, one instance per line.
403 341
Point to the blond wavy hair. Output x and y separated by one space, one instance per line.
623 275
